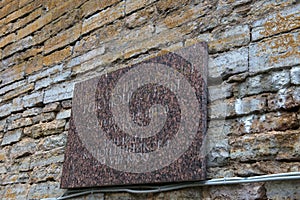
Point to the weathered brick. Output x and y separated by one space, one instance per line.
33 99
295 75
266 146
250 104
63 39
228 38
12 74
276 52
59 92
12 137
26 146
229 63
92 6
7 39
34 26
104 17
44 129
21 90
280 22
9 8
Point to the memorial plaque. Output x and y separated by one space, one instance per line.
143 124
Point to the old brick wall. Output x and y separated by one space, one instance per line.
254 129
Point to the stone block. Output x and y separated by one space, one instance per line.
229 63
66 104
279 22
104 17
27 19
34 64
53 141
86 56
271 82
278 121
44 129
32 112
53 70
283 189
5 110
3 155
52 107
57 56
64 114
12 137
231 37
266 146
42 174
46 158
250 104
220 91
132 5
295 75
9 8
18 91
59 92
63 38
12 74
25 147
12 86
55 78
44 117
42 190
34 26
93 6
15 191
276 52
18 46
7 39
33 99
19 123
285 98
221 109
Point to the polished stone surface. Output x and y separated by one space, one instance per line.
143 124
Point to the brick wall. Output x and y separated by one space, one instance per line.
254 73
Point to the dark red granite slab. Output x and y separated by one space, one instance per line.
143 124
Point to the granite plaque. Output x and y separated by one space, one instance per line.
143 124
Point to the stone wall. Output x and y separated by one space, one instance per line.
254 73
